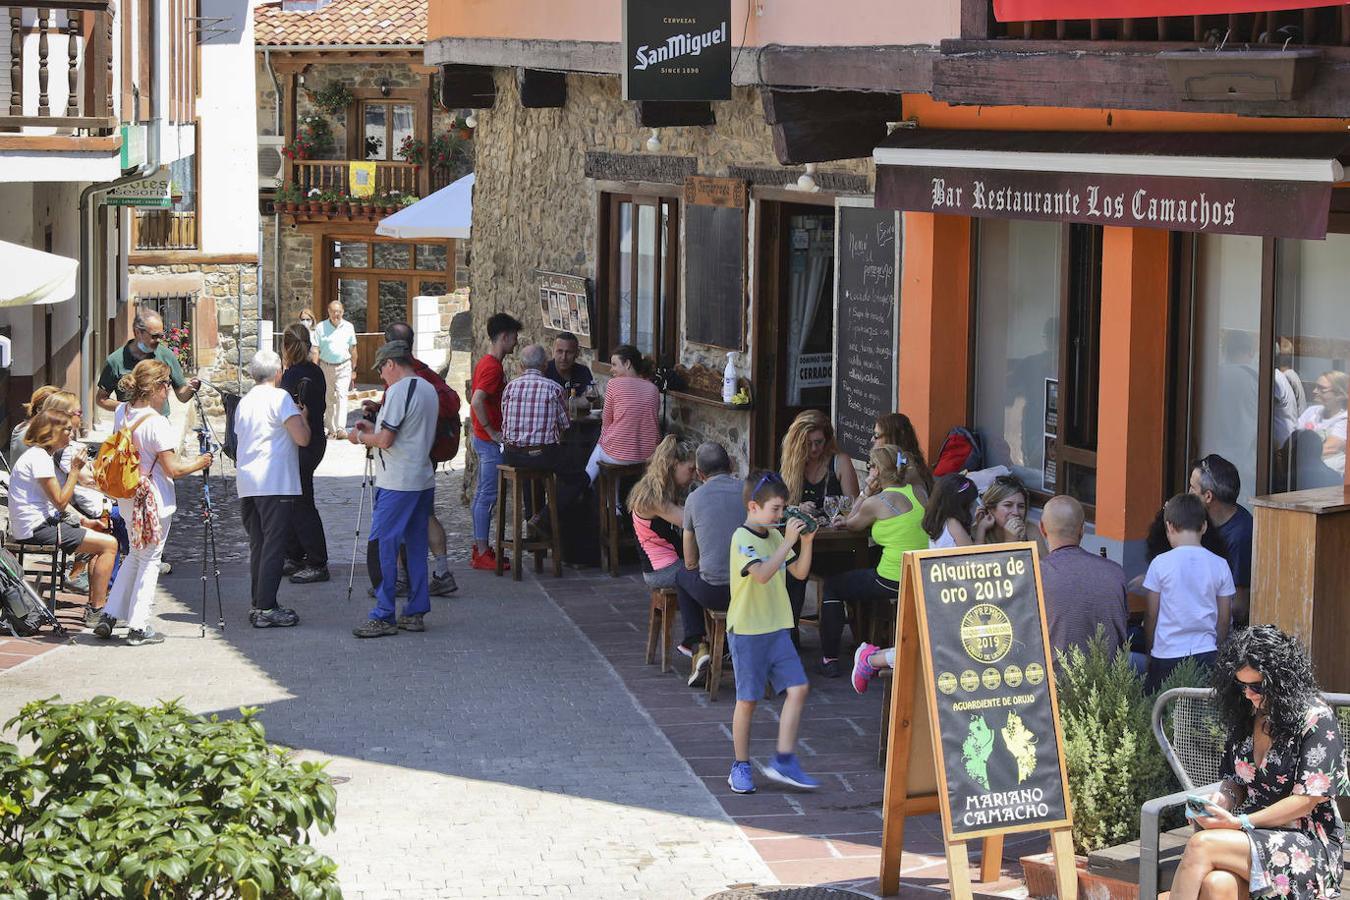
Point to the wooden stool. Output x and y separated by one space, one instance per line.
613 534
716 623
521 479
802 621
886 682
660 621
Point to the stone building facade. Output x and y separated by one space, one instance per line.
540 176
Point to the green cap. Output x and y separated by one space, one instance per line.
392 350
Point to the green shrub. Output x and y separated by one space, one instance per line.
1114 762
119 800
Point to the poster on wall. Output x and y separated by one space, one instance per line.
677 49
564 305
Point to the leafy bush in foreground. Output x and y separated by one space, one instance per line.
119 800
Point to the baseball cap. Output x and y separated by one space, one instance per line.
391 350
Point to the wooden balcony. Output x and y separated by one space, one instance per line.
164 229
60 73
1327 26
335 175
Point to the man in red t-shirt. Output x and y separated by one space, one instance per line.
485 403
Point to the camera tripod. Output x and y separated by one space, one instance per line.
367 482
206 444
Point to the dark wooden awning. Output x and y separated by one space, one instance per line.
1033 10
1227 183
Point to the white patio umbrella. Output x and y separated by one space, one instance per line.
33 277
448 213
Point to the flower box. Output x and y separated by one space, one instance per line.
1038 871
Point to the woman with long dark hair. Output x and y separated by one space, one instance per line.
307 549
630 422
896 428
1273 827
950 514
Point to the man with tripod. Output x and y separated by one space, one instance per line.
405 486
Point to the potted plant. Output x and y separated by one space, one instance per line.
287 197
328 202
333 98
313 201
413 150
368 206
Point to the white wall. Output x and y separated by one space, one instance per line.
29 209
228 160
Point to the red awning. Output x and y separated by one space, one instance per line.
1034 10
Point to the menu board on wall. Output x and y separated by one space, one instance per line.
564 305
866 320
714 261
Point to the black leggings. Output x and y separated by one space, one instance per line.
860 586
306 542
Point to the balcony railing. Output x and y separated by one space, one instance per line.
164 229
1320 26
60 72
335 175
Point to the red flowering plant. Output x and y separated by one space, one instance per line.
312 140
179 340
441 154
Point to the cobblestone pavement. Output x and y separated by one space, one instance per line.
497 754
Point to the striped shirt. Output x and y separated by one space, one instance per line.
533 411
629 428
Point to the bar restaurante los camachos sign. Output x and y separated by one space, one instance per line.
677 50
1040 10
1287 209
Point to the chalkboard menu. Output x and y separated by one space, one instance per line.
988 671
866 288
714 261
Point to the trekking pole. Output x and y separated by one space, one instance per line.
367 478
209 558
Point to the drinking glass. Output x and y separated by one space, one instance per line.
831 507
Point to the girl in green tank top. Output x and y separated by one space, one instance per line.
892 508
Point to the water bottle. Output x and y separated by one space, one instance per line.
729 378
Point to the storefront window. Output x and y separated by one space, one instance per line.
1226 338
1311 353
1019 288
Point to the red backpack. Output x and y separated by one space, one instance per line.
446 444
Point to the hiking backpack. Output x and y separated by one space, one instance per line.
117 468
962 451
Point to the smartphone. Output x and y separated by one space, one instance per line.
1200 806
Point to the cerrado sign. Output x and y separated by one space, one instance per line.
677 50
1287 209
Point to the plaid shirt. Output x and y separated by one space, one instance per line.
533 411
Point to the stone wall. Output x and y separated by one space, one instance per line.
233 289
534 207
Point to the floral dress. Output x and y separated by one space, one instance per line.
1301 861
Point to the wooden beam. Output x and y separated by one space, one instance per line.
795 143
542 90
1125 75
975 19
474 87
895 68
674 114
789 106
61 143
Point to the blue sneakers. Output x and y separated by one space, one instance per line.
788 772
742 778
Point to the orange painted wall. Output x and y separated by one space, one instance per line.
753 22
1132 397
934 365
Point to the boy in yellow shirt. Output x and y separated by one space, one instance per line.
759 629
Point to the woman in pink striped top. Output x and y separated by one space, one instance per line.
657 502
630 419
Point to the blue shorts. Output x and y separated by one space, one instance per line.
763 658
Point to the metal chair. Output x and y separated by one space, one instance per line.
1194 751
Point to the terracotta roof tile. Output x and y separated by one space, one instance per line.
343 22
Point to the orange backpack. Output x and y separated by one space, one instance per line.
117 468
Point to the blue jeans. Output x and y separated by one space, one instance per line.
400 520
489 458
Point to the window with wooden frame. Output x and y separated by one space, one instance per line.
385 125
638 290
1037 353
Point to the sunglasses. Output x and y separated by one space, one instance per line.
766 478
1256 687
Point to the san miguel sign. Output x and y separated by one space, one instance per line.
677 50
1287 209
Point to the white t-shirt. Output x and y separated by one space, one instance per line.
153 437
943 540
89 497
1190 581
268 461
29 505
406 466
